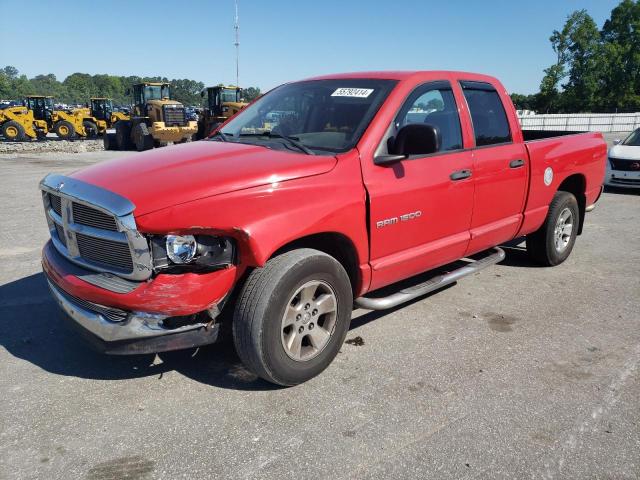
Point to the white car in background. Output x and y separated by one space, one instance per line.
623 167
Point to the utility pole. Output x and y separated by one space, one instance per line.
236 27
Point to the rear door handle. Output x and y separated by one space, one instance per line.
460 175
516 163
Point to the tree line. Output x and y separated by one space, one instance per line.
596 70
77 88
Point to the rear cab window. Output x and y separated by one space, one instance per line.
488 117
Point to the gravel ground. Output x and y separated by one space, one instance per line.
516 372
51 145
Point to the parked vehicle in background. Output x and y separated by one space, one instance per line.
154 121
623 167
67 124
18 124
286 220
222 102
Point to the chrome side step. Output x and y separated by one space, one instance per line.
430 285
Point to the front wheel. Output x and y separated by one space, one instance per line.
65 130
292 316
552 243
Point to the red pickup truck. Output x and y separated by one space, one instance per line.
303 205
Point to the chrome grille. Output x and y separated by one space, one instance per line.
92 217
56 203
61 235
103 251
95 228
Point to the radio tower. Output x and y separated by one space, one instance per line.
236 27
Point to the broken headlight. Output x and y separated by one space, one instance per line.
180 253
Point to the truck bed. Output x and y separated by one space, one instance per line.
531 135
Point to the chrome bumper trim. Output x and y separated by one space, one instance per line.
138 325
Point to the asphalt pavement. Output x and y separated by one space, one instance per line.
516 372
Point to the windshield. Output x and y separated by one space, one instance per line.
325 116
230 95
633 140
156 92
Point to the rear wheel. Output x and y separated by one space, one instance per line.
64 130
292 315
12 131
123 136
110 142
552 243
142 138
90 128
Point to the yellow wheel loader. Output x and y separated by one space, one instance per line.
66 125
99 116
222 102
17 124
155 120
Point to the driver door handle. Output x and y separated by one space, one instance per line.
516 163
460 175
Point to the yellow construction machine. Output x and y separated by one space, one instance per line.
66 125
17 124
222 102
100 115
155 120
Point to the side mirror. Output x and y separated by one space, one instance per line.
617 141
202 94
127 92
412 139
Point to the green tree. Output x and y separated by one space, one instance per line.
621 53
251 93
584 58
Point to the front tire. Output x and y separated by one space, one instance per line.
12 131
65 130
552 243
292 316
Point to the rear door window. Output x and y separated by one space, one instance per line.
490 124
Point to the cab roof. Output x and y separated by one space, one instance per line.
407 75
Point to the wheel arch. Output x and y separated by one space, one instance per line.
576 184
335 244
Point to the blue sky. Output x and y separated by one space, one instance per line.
285 40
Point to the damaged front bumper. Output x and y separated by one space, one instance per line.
118 332
166 312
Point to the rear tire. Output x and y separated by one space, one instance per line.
123 136
292 316
65 130
142 138
553 242
12 131
90 128
110 141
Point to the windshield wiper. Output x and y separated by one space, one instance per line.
291 140
221 135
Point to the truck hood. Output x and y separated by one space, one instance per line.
169 176
625 152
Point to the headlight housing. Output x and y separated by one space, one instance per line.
181 249
180 253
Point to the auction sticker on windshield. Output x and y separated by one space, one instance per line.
352 92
